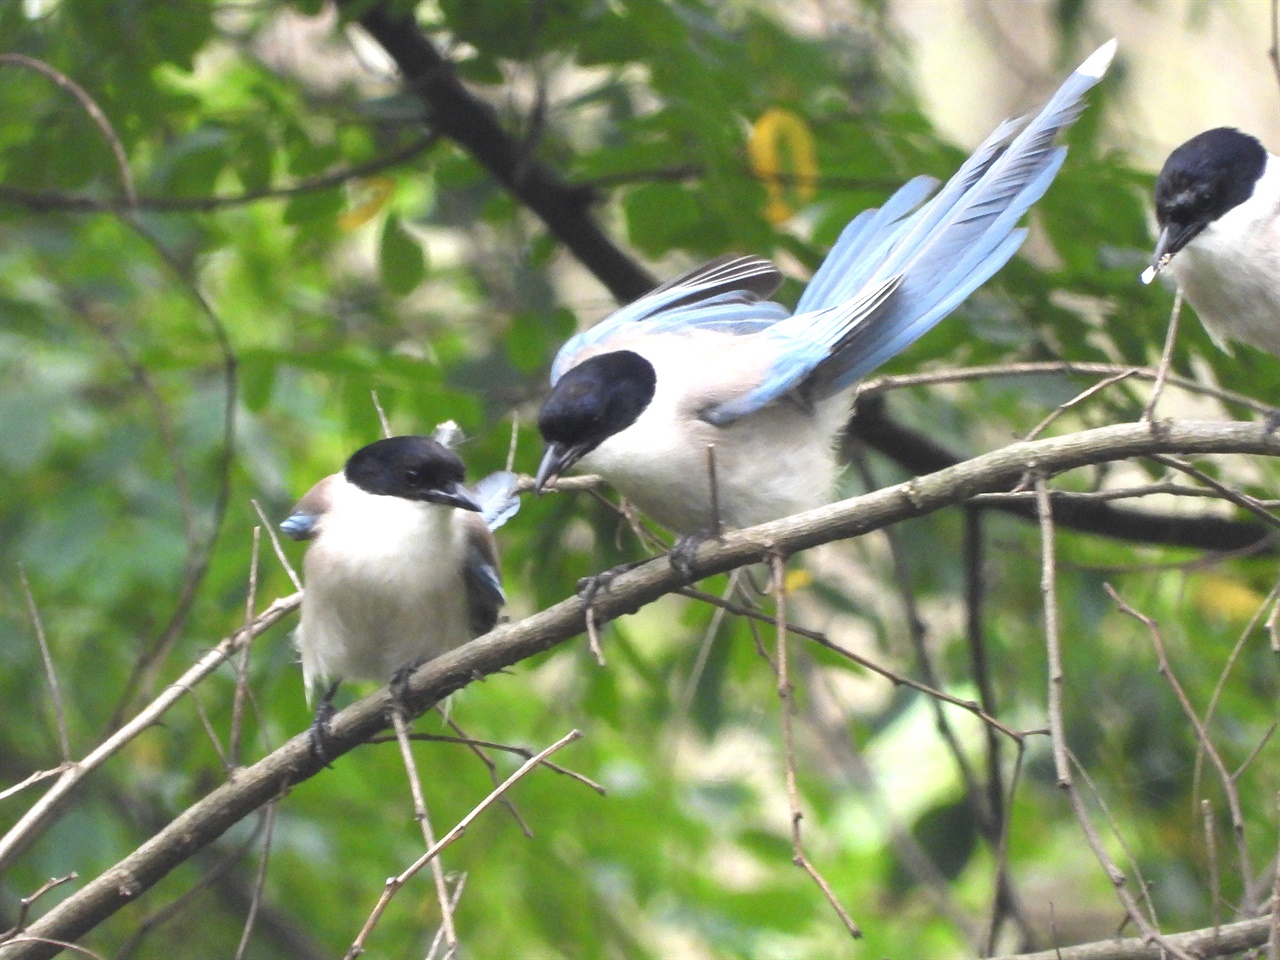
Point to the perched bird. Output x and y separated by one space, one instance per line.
707 405
401 564
1218 209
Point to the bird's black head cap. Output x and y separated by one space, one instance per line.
412 468
1208 175
590 403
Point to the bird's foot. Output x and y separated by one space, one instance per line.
682 552
398 686
321 731
588 587
1272 421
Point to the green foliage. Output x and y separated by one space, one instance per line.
122 487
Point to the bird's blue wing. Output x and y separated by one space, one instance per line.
497 498
300 525
485 596
893 274
728 294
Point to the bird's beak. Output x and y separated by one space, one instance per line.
555 461
1161 257
454 495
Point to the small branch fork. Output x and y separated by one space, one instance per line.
1057 726
787 704
394 884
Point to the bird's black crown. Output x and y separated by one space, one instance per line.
413 468
596 399
1208 175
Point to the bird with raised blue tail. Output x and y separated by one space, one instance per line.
708 405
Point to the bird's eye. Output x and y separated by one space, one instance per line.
412 475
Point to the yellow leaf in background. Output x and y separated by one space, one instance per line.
1220 596
798 579
775 128
377 192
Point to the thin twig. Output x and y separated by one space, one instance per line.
1079 398
275 545
33 779
893 677
1057 726
1251 901
684 703
21 833
242 666
259 879
1254 506
382 414
515 439
505 747
1166 357
787 704
883 384
489 765
394 884
25 903
84 203
51 675
1211 853
428 834
90 107
438 940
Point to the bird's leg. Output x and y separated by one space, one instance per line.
320 731
681 555
399 685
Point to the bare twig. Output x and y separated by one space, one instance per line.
1166 357
1057 726
1254 506
492 768
242 666
382 414
883 384
84 203
898 679
504 747
34 819
90 107
275 545
1252 902
259 879
394 884
438 940
787 704
428 834
1079 398
51 675
1211 854
25 903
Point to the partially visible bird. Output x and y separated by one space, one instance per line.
1218 210
705 378
401 565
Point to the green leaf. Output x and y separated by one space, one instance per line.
401 260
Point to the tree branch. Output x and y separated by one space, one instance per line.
472 124
921 454
294 762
